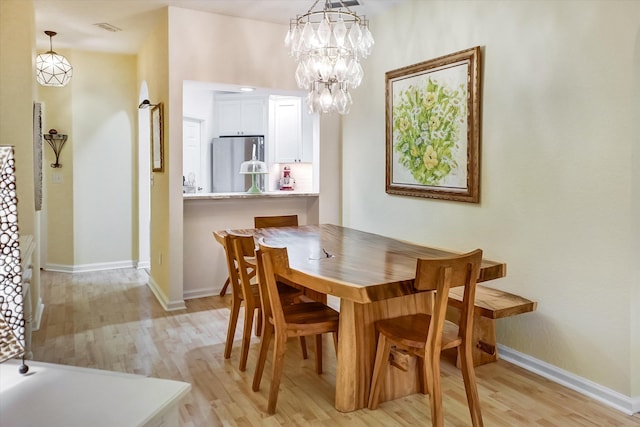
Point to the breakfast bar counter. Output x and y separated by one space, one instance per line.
270 194
204 265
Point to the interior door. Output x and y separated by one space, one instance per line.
191 146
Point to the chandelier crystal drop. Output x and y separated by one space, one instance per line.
52 69
328 45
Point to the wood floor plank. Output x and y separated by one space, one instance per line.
111 320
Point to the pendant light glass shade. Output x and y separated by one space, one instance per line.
52 69
328 45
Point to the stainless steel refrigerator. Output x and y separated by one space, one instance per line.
227 153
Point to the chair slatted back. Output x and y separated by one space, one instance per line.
242 245
442 274
275 221
272 261
232 268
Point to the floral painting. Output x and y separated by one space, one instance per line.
432 128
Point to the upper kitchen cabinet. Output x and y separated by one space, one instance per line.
240 115
292 131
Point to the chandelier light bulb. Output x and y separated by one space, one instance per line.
328 45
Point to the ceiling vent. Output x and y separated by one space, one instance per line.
108 27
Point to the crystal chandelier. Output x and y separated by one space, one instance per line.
328 45
52 69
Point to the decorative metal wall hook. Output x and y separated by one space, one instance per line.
56 141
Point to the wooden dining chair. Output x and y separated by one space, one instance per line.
310 318
264 222
227 282
426 335
250 297
242 246
275 221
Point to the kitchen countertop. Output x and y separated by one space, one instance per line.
270 194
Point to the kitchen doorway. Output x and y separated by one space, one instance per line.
194 153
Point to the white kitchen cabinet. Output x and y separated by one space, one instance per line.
237 115
292 144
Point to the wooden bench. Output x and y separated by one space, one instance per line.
491 304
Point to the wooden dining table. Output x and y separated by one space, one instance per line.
372 275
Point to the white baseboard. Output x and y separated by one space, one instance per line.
143 264
626 404
160 296
163 299
62 268
201 293
37 316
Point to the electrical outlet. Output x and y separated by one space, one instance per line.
56 178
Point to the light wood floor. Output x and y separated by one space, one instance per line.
111 320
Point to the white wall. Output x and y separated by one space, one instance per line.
90 213
559 192
17 93
634 300
104 132
143 211
225 50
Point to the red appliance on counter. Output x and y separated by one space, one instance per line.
287 181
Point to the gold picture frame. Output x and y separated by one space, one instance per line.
433 128
157 143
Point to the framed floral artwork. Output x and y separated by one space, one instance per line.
433 128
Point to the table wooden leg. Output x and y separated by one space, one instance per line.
350 387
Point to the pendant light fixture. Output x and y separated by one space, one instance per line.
52 69
328 45
146 104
